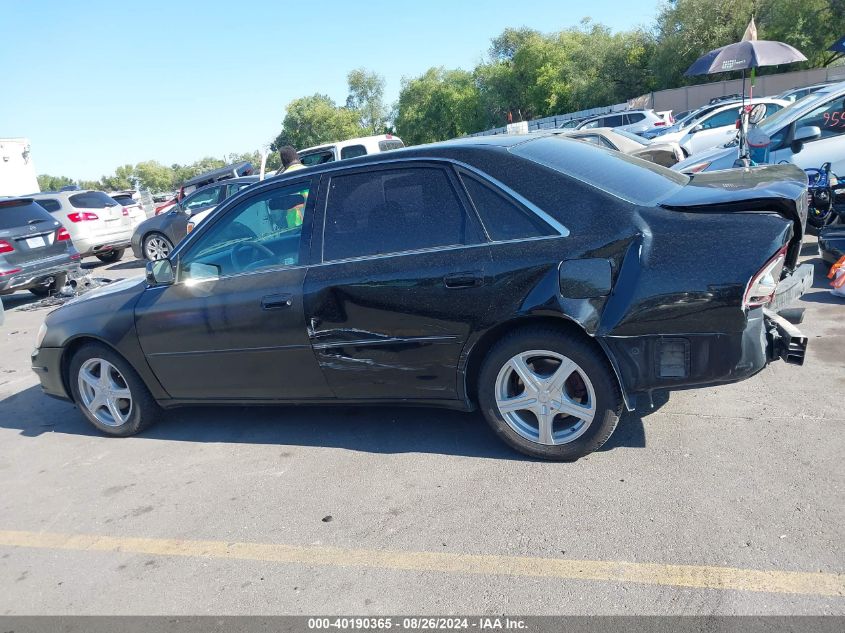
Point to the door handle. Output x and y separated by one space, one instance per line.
470 279
276 302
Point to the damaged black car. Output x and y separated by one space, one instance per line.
547 282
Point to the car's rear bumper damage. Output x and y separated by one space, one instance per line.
38 272
649 363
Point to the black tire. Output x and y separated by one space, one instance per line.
143 412
45 291
608 397
112 256
155 235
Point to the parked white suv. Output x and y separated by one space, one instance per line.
352 148
630 120
98 225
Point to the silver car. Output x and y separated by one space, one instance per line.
98 225
630 120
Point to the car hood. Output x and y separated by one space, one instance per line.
118 287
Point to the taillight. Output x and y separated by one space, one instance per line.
659 123
125 212
5 247
762 286
86 216
62 235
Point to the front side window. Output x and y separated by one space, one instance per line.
264 231
392 211
721 119
829 117
204 198
502 217
353 151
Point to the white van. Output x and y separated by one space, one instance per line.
352 148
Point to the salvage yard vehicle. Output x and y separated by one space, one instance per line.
666 154
546 281
630 120
154 238
808 133
351 148
97 224
36 253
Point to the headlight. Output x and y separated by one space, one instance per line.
39 338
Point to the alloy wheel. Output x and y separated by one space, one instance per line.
105 392
545 397
156 247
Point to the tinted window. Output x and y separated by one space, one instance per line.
613 121
503 218
264 231
626 177
386 146
317 158
392 211
18 213
352 151
51 205
125 200
635 117
235 188
91 200
721 119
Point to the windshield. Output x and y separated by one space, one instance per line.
632 179
774 122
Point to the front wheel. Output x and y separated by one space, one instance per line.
549 394
111 256
156 246
109 391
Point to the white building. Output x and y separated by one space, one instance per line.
17 171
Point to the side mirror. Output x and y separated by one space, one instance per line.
160 273
802 135
697 128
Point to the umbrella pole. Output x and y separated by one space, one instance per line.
743 152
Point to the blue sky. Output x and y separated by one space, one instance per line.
97 84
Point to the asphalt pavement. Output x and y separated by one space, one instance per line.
727 500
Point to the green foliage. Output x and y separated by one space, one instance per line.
439 105
53 183
154 176
366 96
123 178
317 119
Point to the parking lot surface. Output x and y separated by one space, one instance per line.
728 500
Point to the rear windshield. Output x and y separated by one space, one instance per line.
51 205
91 200
125 200
386 146
18 213
632 179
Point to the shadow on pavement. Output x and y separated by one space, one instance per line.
367 429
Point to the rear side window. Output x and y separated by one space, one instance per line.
613 121
19 213
635 117
91 200
317 158
353 151
386 146
51 205
391 211
503 218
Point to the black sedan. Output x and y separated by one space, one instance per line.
155 238
546 281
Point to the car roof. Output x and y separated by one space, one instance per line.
227 181
64 194
217 173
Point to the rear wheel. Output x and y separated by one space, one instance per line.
156 246
109 391
112 256
549 394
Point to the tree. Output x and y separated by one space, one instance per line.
123 178
314 120
366 96
53 183
153 176
439 105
